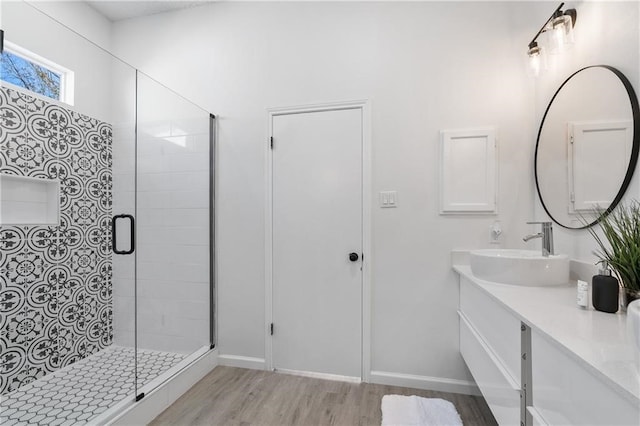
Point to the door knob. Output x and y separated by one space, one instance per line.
353 257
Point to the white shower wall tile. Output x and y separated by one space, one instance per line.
188 309
190 272
123 182
123 267
168 254
124 201
150 218
153 314
188 144
167 290
188 199
194 329
194 126
124 165
151 148
125 320
177 343
182 162
148 165
154 252
157 322
193 236
150 182
125 338
197 181
153 199
123 287
176 199
147 237
195 217
175 237
124 143
79 392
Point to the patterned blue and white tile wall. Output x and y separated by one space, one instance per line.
55 281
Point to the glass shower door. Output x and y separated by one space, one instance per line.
67 318
173 269
107 290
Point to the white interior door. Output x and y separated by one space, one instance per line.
317 224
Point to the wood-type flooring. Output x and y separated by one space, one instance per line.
236 396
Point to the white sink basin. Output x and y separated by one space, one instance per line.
520 267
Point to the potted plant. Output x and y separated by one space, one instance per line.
620 247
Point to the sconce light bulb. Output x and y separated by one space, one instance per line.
560 33
535 59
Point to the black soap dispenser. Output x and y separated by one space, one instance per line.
604 291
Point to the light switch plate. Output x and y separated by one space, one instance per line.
388 199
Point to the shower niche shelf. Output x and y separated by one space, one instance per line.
29 201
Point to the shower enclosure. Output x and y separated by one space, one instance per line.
106 228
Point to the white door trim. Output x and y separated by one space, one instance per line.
365 108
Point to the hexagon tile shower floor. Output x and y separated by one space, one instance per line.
81 391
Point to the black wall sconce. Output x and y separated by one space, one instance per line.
559 31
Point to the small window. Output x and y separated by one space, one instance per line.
24 69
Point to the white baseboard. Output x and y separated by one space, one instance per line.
242 362
324 376
380 377
424 382
156 401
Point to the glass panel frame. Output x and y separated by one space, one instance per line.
174 190
100 130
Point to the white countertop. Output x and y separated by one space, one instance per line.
597 340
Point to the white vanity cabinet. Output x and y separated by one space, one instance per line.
567 393
571 366
490 346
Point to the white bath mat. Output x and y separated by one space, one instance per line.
399 410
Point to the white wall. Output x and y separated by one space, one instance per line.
596 42
80 17
425 67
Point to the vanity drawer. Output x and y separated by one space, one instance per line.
498 328
496 384
566 392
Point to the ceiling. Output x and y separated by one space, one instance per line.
125 9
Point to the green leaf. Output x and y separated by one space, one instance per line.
620 246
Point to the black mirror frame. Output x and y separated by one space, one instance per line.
634 150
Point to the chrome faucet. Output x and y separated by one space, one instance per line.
546 235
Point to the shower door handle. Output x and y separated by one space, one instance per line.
114 233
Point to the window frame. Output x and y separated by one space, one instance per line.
67 77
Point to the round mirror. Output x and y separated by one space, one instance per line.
587 145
